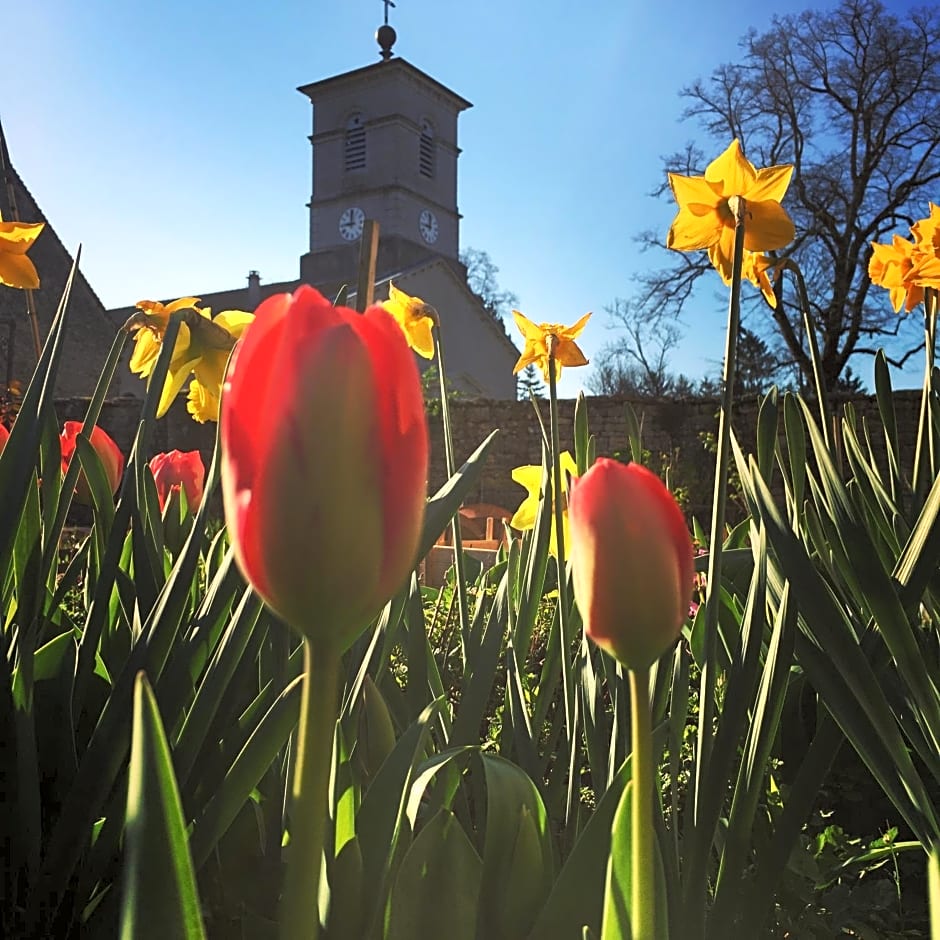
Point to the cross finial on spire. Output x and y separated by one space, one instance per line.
388 3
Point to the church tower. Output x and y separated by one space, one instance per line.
385 148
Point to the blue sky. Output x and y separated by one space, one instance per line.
169 139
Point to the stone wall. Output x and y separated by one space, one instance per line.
675 428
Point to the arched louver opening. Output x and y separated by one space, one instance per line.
426 150
355 143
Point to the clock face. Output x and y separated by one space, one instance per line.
427 226
351 222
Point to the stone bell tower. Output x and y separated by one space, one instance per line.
385 148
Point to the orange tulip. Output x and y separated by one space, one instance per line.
112 460
324 461
176 470
631 557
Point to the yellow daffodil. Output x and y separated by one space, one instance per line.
705 219
16 270
415 318
892 267
754 268
927 231
907 268
531 478
148 328
536 336
201 403
202 348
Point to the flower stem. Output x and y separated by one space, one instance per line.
705 816
300 918
558 509
463 603
924 452
642 849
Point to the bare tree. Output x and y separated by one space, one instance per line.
637 362
850 97
481 279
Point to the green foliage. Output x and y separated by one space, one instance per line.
478 764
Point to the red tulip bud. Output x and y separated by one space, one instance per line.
631 557
177 469
112 460
324 461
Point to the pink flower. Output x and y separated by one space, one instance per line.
324 461
112 460
177 469
631 556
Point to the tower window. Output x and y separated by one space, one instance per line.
426 150
355 143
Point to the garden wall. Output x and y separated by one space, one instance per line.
674 428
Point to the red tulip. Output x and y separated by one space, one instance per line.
112 460
324 461
177 469
631 557
4 436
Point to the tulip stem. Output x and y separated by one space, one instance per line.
558 508
642 849
463 603
300 917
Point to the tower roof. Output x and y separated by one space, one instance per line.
379 70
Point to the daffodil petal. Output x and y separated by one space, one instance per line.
568 354
690 190
175 380
184 303
732 170
570 332
209 370
146 349
691 232
771 183
767 226
235 321
526 326
529 476
422 339
16 270
525 516
16 237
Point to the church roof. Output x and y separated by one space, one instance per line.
495 325
89 330
243 298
